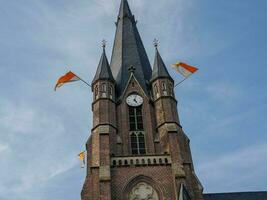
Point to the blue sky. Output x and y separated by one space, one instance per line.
222 108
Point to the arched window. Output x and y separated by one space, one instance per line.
138 145
141 143
136 118
171 89
110 91
164 88
164 85
104 90
96 92
156 90
134 144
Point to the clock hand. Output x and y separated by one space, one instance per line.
135 97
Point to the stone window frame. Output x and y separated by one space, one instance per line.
136 119
171 89
138 150
156 90
164 88
110 91
96 92
104 90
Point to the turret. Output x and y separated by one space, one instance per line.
101 143
172 139
163 94
136 139
103 83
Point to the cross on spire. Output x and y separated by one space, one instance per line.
104 43
128 49
156 43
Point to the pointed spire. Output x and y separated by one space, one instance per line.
103 70
125 10
159 69
128 50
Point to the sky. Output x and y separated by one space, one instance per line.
222 108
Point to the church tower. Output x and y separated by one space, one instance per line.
137 149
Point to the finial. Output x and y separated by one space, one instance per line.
131 69
156 43
104 43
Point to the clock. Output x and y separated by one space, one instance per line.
134 100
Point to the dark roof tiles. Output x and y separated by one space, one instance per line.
159 69
103 70
237 196
128 50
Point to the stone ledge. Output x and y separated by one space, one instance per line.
140 161
104 129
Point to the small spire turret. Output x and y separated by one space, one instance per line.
103 71
159 69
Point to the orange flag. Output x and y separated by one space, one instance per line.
82 159
67 78
185 69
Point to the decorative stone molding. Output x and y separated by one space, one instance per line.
104 173
178 170
171 127
104 129
140 161
143 191
145 186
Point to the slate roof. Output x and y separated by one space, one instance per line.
159 68
237 196
129 50
103 70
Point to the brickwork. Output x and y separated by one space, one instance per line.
113 170
123 119
163 135
161 176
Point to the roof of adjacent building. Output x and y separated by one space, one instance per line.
159 68
103 71
237 196
128 50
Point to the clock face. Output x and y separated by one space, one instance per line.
134 100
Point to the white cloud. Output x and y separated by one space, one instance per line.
3 147
41 131
235 170
223 91
39 153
